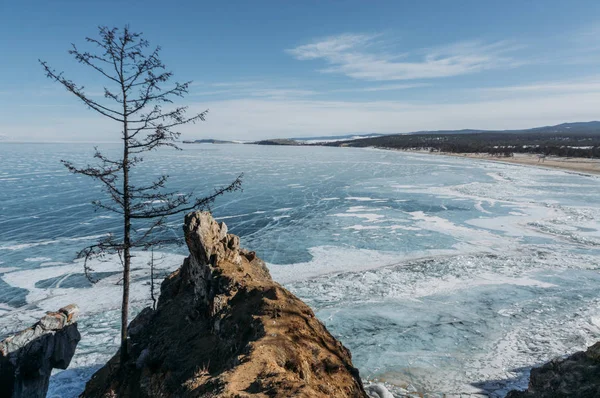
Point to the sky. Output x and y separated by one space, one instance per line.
277 69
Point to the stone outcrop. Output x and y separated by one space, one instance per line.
575 376
224 328
28 357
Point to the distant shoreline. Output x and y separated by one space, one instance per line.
580 165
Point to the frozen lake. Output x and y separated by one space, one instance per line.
444 274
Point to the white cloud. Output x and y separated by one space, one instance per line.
281 93
257 118
389 87
332 47
235 84
269 113
590 84
85 127
258 91
361 57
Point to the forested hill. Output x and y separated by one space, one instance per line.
568 139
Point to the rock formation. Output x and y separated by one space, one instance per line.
575 376
224 328
28 357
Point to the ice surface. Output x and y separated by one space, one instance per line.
442 275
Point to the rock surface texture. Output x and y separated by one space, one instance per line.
224 328
575 376
28 357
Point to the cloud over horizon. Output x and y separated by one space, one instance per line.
258 118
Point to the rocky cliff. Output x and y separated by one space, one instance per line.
575 376
224 328
28 357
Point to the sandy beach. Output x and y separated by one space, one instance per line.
582 165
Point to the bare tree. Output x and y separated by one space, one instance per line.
133 98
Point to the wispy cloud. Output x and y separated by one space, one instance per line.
586 38
362 57
288 90
291 92
235 84
589 84
389 87
257 91
282 93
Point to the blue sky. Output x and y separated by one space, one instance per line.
310 68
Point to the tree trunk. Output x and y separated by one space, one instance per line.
126 263
126 231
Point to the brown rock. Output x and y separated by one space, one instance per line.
224 328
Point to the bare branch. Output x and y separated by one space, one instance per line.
86 58
178 206
78 92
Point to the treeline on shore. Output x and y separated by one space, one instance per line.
579 144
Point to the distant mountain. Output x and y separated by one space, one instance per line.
579 127
567 140
576 127
276 141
